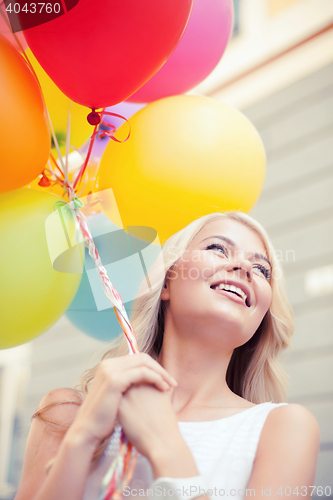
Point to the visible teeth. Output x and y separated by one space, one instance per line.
232 288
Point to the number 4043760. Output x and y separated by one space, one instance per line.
32 8
305 491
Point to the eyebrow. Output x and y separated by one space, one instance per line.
231 243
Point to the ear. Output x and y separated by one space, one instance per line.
165 295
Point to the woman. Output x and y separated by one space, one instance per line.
206 397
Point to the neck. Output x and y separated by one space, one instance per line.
199 368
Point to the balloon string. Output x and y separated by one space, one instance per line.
16 38
64 182
111 293
56 165
101 134
105 133
85 183
64 6
84 166
120 471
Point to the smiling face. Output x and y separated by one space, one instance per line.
220 287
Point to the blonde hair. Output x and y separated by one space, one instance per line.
254 371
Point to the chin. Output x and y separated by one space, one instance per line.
233 324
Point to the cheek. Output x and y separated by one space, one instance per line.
211 260
202 266
188 269
266 297
180 279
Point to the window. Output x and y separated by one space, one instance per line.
237 10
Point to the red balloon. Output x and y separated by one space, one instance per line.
100 52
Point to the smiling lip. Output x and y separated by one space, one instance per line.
231 296
238 284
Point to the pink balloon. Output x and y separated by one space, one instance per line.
7 32
198 52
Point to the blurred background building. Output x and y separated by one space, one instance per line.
278 70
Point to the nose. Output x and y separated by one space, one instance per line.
243 267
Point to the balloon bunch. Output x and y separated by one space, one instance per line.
127 74
187 155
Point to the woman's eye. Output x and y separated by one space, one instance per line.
264 270
216 246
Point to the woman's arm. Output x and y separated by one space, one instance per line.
285 464
88 427
44 442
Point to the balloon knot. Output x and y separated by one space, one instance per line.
77 202
44 181
59 204
94 118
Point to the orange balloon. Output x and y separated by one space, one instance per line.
25 139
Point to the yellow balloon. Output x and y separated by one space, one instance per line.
58 104
187 156
33 295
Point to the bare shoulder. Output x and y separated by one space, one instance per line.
62 393
59 402
287 451
59 406
291 415
292 424
54 415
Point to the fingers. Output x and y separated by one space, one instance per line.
143 374
143 359
154 365
113 378
125 370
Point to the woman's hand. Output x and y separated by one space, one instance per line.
150 423
96 418
147 417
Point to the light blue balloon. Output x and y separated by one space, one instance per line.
126 259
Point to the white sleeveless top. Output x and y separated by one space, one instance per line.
224 451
